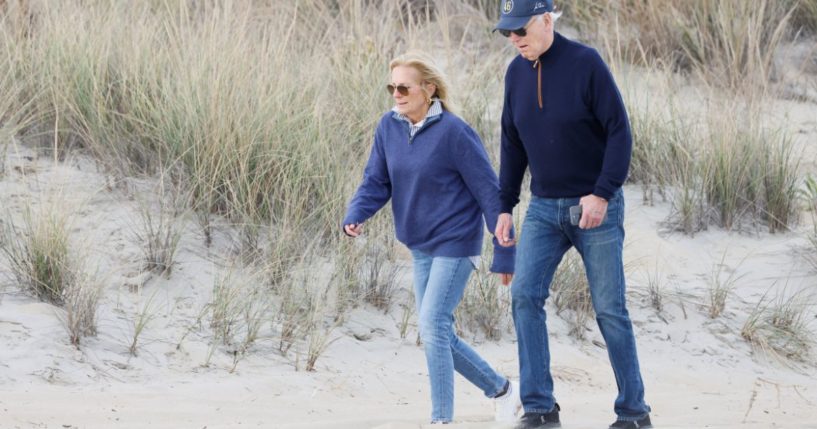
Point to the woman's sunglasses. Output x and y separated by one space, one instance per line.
521 32
402 89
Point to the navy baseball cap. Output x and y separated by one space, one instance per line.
514 14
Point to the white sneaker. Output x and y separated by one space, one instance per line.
507 406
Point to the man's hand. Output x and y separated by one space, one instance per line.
506 278
353 229
593 211
503 232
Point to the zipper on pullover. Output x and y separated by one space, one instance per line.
538 66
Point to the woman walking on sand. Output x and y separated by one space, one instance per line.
433 167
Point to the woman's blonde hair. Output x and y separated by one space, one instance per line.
429 73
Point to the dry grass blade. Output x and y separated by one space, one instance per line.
318 333
721 287
81 302
239 306
779 326
143 317
655 289
571 292
380 270
405 317
160 227
809 197
485 305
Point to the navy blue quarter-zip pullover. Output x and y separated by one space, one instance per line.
564 118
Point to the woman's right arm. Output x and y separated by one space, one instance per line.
374 191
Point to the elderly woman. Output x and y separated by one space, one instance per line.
433 167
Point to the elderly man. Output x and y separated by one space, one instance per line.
563 118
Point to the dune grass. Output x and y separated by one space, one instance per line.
729 168
81 302
722 283
144 315
728 43
750 171
805 16
779 326
159 230
37 252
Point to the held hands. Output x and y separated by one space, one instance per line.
504 224
593 211
353 229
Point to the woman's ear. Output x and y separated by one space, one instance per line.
431 90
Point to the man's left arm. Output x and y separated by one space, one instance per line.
609 110
608 107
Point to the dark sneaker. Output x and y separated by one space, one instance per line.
638 424
540 421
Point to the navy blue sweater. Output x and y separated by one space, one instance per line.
578 142
440 183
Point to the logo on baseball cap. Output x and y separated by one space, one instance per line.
517 13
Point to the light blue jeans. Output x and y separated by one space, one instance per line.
439 283
546 235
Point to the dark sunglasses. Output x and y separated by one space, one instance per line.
402 89
521 32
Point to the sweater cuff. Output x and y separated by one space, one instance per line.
504 258
349 219
603 193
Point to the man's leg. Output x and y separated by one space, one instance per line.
601 250
541 246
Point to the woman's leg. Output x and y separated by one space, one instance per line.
438 298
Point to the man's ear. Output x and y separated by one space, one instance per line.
547 19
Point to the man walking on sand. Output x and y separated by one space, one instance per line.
563 118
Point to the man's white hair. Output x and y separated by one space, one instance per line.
553 15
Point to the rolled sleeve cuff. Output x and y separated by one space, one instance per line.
504 259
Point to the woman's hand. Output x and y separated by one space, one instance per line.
506 278
353 229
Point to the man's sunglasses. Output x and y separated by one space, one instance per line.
402 89
521 32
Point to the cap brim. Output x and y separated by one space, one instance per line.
511 22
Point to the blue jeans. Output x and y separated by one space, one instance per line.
546 235
439 283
